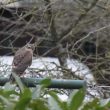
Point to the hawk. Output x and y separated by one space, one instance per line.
22 59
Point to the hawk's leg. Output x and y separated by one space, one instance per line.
22 74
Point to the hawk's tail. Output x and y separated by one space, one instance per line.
12 79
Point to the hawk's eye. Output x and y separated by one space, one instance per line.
29 47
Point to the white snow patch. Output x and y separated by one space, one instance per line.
47 63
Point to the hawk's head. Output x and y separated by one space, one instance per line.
30 46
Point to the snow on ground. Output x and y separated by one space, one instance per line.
46 62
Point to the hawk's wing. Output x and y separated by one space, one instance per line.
27 59
22 59
19 55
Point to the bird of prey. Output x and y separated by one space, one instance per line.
22 59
